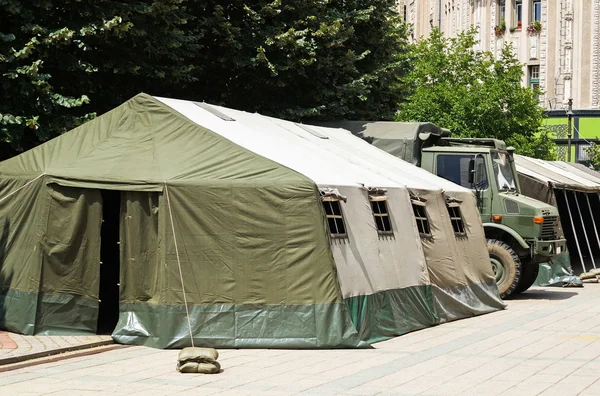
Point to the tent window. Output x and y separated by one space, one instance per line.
456 218
382 216
421 217
335 219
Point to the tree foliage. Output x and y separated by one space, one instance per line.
456 86
63 61
593 152
300 59
57 57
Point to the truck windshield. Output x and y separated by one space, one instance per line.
503 171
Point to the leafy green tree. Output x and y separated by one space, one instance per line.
593 152
63 61
31 109
301 59
456 86
541 145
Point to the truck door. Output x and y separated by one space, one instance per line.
457 168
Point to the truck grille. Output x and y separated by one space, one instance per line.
549 227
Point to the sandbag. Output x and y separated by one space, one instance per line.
191 353
198 360
202 368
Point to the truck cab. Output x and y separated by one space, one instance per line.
521 232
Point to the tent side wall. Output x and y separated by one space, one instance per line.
257 268
50 259
461 277
536 189
21 253
383 277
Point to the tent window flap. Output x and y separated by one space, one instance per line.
335 219
456 218
421 218
381 215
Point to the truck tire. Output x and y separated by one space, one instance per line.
506 265
530 273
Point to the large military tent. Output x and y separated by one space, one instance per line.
574 191
241 230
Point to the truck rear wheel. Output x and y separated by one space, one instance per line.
506 265
530 273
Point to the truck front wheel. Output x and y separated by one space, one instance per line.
530 273
506 265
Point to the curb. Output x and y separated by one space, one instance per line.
52 352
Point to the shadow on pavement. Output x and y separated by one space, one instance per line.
552 294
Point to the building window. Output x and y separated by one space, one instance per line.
456 218
534 77
335 218
536 10
421 218
381 215
501 11
518 13
405 13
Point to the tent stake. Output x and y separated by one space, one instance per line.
587 241
593 220
574 231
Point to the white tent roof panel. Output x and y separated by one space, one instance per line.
266 138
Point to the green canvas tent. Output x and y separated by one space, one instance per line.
267 226
575 191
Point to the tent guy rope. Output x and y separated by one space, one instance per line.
187 312
20 188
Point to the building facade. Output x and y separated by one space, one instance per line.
558 42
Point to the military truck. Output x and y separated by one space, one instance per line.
521 232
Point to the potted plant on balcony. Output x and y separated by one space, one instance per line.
534 27
500 29
516 28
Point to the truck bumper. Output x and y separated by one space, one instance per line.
543 251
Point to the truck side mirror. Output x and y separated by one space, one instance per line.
471 170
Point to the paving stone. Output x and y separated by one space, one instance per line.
16 345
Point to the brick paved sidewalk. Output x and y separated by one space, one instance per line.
546 343
16 347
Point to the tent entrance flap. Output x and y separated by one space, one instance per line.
108 313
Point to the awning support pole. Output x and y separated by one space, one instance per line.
593 220
587 241
574 231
